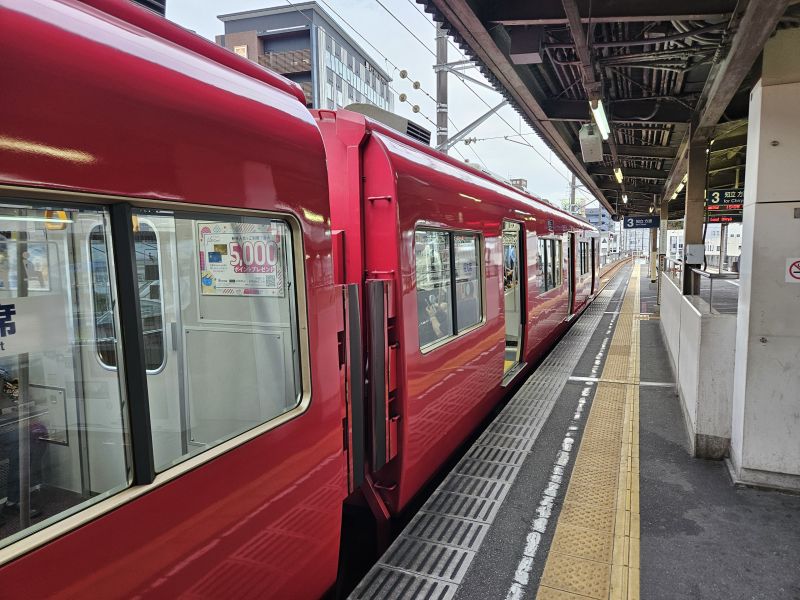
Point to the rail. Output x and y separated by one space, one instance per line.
727 293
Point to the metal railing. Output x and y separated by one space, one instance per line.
722 298
613 257
292 61
673 268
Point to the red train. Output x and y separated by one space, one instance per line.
223 317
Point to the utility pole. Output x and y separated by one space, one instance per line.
572 195
441 87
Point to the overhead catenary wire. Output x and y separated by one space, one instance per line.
514 129
389 61
397 68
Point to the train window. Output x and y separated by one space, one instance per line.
63 431
105 337
229 297
468 284
541 265
583 256
448 270
434 285
557 259
549 263
149 280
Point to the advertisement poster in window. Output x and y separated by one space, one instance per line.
241 259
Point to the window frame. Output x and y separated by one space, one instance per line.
103 364
547 259
135 400
427 348
583 258
201 214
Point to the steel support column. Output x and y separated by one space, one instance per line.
662 245
653 254
441 87
694 207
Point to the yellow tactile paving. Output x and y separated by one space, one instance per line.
548 593
595 549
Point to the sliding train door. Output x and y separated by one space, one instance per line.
154 246
571 246
512 291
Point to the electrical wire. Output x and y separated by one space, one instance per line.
471 90
390 62
404 26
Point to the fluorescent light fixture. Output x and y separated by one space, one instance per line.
624 198
675 195
652 208
600 118
680 187
618 174
35 219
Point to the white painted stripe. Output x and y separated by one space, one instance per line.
543 512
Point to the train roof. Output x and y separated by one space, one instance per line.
159 26
509 190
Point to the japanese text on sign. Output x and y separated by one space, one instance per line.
641 222
725 197
241 259
32 324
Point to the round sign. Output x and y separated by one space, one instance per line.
794 270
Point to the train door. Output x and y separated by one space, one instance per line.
156 260
593 242
154 247
512 292
571 245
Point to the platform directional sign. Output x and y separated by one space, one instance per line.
724 206
642 222
725 197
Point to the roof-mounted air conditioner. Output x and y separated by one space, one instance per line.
396 122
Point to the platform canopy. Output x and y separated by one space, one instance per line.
666 72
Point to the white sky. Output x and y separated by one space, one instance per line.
547 176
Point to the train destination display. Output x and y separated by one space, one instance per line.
724 206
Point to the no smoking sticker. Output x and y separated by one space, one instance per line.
793 270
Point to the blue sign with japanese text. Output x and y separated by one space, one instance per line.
642 222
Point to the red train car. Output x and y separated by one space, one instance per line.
223 317
465 280
136 164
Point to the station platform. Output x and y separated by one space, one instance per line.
583 487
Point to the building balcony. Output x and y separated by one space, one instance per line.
293 61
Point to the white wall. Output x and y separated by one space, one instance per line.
765 446
701 349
